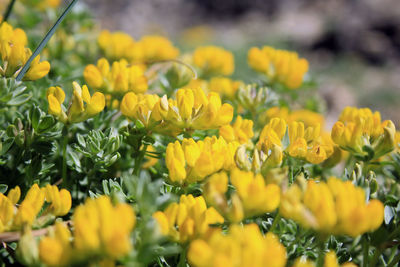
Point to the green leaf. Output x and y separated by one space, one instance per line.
3 188
35 117
19 100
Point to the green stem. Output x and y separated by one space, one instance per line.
394 261
365 246
375 257
44 41
276 221
138 161
321 254
8 10
64 157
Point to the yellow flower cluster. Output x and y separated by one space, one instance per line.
192 110
241 246
335 207
308 144
308 117
192 161
280 66
14 54
252 197
101 231
119 45
13 218
188 219
118 79
77 111
241 131
224 86
42 4
330 260
357 128
213 60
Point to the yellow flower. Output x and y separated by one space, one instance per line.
335 207
188 219
115 46
153 48
307 143
29 207
55 250
280 66
330 260
252 197
192 110
118 79
60 200
213 60
225 86
241 246
77 111
357 128
241 131
191 161
14 55
98 224
42 4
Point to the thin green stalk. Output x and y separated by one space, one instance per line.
138 161
394 261
275 223
44 41
8 10
64 157
365 246
375 257
321 254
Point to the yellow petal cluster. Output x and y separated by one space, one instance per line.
357 128
14 54
278 65
119 45
117 79
308 117
188 219
191 110
213 60
14 218
42 4
332 207
241 246
330 260
101 230
240 131
252 197
305 143
190 161
77 111
224 86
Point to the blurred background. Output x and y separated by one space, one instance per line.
353 46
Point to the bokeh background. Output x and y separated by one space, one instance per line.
353 46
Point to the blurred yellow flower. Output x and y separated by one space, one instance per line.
335 207
280 66
213 60
188 219
241 246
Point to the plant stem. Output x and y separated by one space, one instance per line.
138 161
394 261
44 41
276 221
365 246
320 259
64 157
375 257
8 10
